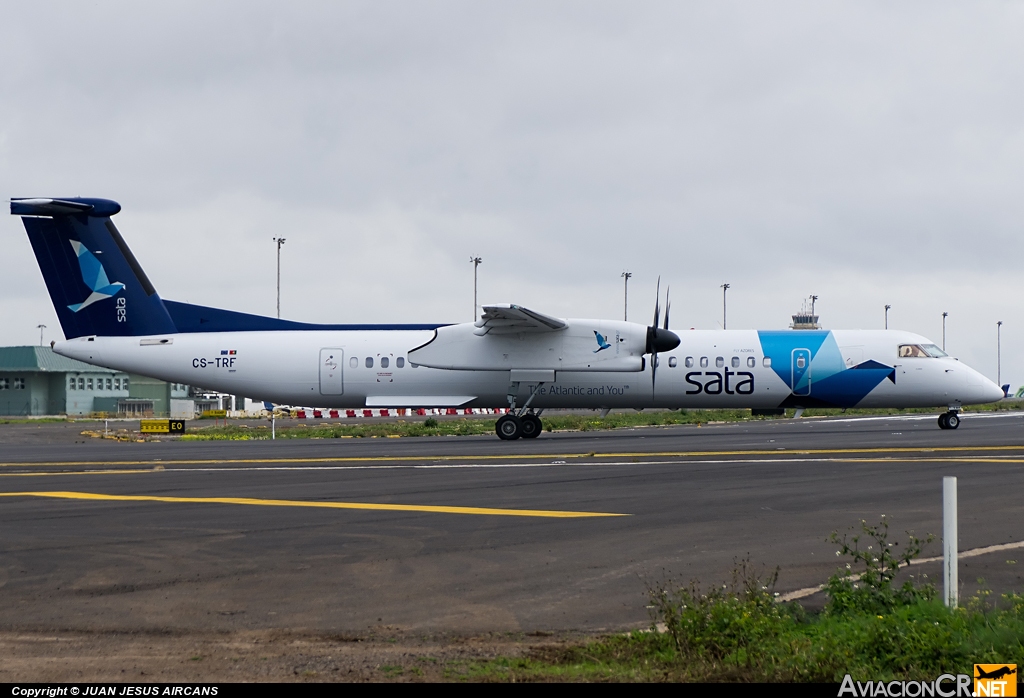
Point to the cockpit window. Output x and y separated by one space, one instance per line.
920 351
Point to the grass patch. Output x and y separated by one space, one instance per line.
559 422
870 629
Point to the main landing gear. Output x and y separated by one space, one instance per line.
949 420
511 426
523 423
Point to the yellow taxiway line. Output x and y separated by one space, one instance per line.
523 456
539 513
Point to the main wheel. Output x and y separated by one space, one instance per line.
942 420
508 427
531 426
952 420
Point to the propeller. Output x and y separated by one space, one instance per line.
659 340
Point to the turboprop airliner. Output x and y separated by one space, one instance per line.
510 357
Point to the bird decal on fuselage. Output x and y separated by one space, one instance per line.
602 343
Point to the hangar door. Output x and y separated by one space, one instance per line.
331 363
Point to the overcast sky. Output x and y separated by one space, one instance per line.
867 152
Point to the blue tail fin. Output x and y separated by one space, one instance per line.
94 280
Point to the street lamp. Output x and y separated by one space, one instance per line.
725 287
887 316
279 241
625 294
944 315
41 328
999 354
475 261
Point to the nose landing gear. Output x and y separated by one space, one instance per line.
949 420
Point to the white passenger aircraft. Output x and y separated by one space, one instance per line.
512 356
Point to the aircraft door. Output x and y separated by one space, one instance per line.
332 362
801 372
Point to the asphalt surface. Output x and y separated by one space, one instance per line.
487 536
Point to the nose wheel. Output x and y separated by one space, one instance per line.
949 420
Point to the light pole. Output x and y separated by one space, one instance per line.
813 299
999 354
625 294
41 328
944 315
887 316
725 287
475 261
279 241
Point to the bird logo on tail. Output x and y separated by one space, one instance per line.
94 276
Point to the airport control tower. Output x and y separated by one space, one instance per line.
806 319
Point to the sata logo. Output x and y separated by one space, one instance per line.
602 343
716 383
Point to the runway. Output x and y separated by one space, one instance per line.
471 534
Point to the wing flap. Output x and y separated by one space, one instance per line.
513 319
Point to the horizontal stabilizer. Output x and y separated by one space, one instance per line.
64 207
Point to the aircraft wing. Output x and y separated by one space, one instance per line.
512 319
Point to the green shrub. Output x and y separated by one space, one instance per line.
876 566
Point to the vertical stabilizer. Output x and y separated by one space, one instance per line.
96 284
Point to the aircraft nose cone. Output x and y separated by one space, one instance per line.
661 340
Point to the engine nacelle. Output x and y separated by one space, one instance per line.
582 345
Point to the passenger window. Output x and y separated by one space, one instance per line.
719 362
384 362
689 362
735 362
354 362
400 362
703 362
751 362
672 362
369 362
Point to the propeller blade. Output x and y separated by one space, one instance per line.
654 370
668 305
657 304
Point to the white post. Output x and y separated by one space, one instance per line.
949 541
273 425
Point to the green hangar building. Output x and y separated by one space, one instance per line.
36 381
